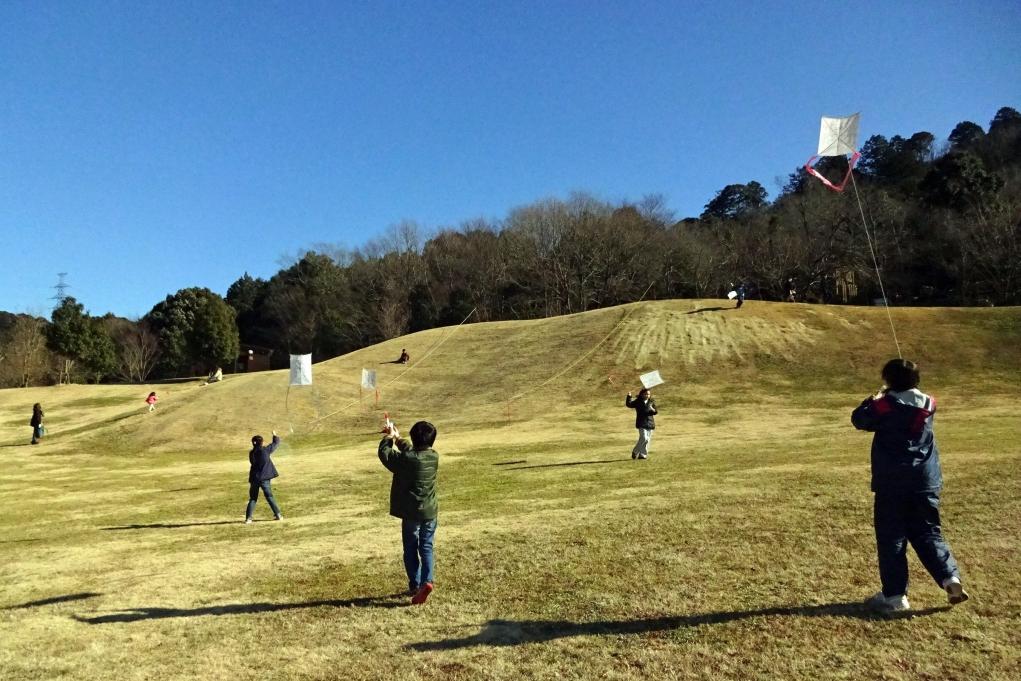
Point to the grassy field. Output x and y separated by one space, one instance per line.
740 550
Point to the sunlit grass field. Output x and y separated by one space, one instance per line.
740 550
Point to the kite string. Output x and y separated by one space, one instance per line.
400 375
634 306
875 262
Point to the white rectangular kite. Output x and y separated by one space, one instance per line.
651 379
301 369
732 295
369 379
838 136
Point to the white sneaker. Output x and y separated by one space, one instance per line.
279 517
888 604
248 521
955 590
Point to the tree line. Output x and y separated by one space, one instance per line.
945 219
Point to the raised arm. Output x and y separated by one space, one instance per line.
870 413
272 447
391 451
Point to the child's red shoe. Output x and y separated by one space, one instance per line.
423 593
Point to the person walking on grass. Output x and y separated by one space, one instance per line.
151 401
906 480
645 411
37 423
259 475
413 499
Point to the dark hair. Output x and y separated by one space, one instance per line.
423 435
900 375
643 391
256 440
37 409
152 393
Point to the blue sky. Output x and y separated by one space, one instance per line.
150 146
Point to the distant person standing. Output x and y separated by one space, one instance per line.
906 480
151 401
645 411
741 293
260 473
37 423
415 467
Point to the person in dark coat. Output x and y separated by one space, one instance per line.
260 473
415 467
37 423
645 411
741 293
906 480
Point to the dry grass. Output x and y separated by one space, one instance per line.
740 550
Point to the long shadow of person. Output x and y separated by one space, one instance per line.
511 633
138 614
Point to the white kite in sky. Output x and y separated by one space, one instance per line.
301 369
651 379
837 137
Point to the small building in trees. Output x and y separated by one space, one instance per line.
254 358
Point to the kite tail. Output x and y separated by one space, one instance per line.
875 262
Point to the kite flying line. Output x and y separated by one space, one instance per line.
400 375
589 352
875 263
839 137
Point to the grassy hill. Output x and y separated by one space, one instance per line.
739 550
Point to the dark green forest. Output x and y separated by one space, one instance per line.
944 215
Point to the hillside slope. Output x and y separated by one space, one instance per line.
501 374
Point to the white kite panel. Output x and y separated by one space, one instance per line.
301 369
651 379
838 136
369 379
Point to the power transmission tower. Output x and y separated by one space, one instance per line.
61 287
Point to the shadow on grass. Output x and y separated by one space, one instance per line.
139 614
55 599
569 463
170 526
511 633
18 444
510 463
709 309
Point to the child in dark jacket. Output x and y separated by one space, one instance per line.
906 480
37 423
645 411
260 473
413 499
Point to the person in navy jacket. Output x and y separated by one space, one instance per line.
260 473
907 481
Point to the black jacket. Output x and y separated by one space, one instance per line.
904 453
262 466
644 412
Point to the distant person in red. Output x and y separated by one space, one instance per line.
405 357
151 401
37 423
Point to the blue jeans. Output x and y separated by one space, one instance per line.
417 536
253 496
914 518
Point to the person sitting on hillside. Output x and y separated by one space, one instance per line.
906 480
404 358
215 376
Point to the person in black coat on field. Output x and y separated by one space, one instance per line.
645 411
37 423
259 475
